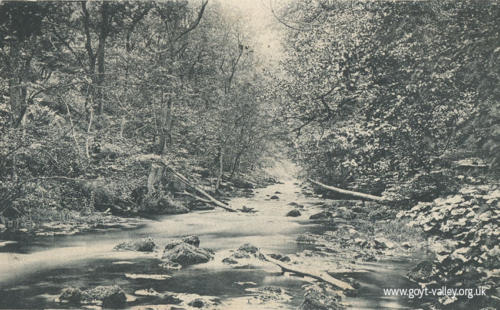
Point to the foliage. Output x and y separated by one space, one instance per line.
387 89
87 86
463 230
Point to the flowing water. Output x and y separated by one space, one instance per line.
33 274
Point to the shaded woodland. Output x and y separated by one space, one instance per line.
162 107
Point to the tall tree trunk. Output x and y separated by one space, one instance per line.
103 34
17 87
236 163
18 104
221 168
92 60
166 126
155 175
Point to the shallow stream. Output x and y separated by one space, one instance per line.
32 274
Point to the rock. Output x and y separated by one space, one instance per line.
383 243
243 184
72 295
296 205
366 257
246 209
406 245
186 254
294 213
424 272
277 192
274 197
321 216
230 261
111 296
197 303
248 248
317 298
144 245
307 238
172 244
193 240
282 258
246 251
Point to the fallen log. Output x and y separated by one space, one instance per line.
324 277
183 179
201 191
350 193
196 197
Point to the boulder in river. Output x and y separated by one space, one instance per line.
318 298
321 216
186 252
293 213
110 296
282 258
72 295
424 272
296 205
248 248
197 303
245 252
192 240
143 245
274 197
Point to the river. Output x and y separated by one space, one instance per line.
33 274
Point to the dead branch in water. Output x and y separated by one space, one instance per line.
324 277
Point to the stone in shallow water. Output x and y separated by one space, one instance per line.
321 216
282 258
318 298
193 240
274 197
110 296
424 272
249 248
197 303
293 213
144 245
230 261
186 254
72 295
